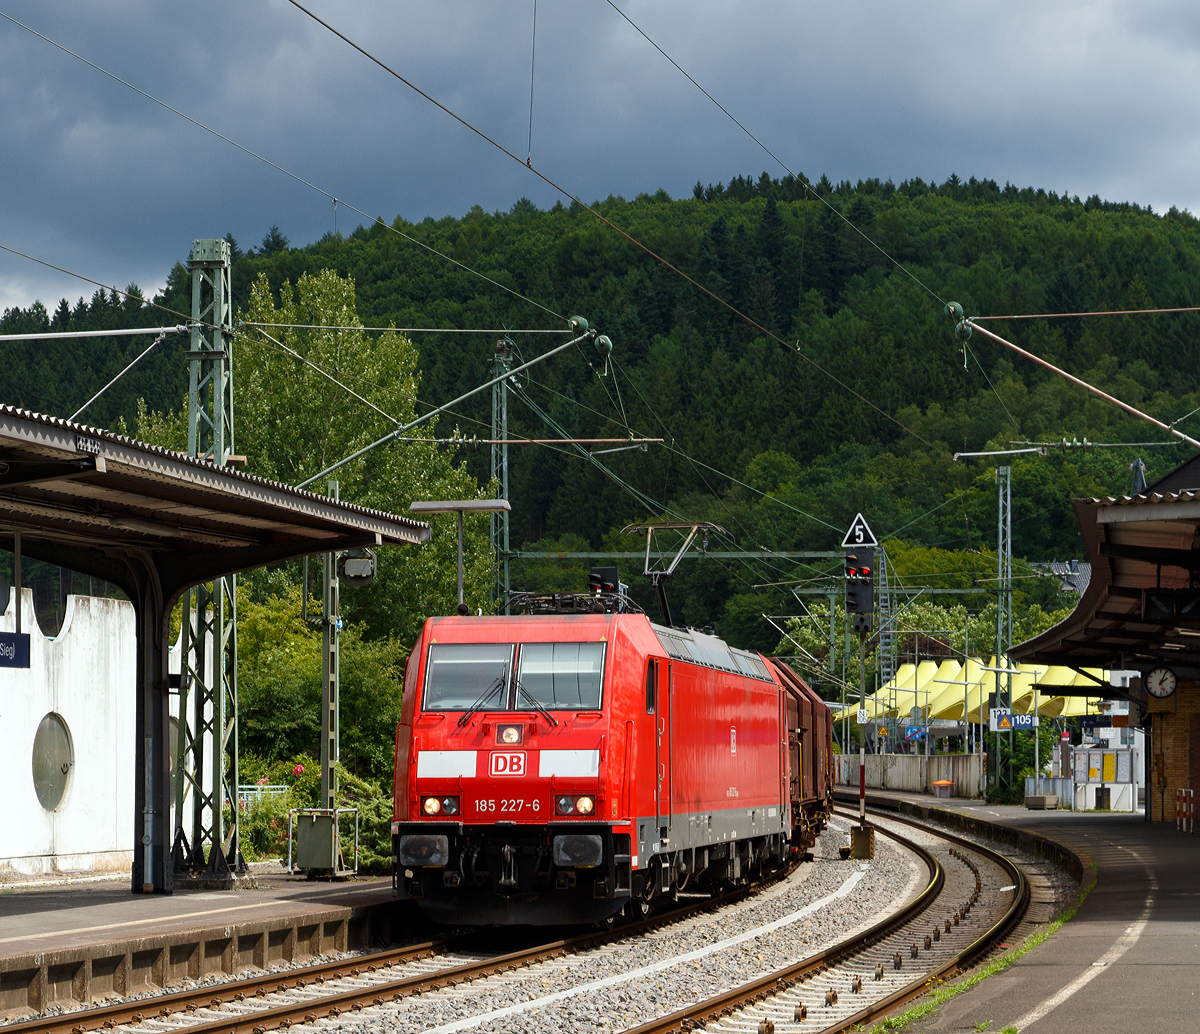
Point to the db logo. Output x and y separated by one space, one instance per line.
508 763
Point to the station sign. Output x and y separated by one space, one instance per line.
859 534
14 650
1000 720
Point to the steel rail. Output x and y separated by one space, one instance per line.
133 1012
730 1001
727 1003
106 1017
966 958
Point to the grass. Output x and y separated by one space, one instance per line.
940 993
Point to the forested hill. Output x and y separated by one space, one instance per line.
743 415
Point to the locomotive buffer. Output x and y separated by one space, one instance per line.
860 543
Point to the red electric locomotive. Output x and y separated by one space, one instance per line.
563 767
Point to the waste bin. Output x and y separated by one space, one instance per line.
942 787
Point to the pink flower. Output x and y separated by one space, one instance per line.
262 781
298 770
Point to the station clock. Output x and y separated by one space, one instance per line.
1161 682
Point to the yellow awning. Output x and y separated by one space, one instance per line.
939 686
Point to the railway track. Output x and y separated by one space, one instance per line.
974 898
272 1001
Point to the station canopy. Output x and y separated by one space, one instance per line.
156 522
103 504
1142 605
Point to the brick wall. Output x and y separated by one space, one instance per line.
1175 749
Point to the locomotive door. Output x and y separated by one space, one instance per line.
662 750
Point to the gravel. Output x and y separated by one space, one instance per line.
1061 884
893 875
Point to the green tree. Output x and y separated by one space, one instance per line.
293 421
274 242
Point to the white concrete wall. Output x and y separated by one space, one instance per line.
913 772
87 675
175 667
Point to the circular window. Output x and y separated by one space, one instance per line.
52 761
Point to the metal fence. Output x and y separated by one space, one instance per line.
250 794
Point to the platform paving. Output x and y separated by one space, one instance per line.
66 916
1130 958
82 941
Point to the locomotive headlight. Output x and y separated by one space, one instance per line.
564 805
585 805
450 805
431 806
509 735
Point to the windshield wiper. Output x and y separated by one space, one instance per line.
537 706
467 715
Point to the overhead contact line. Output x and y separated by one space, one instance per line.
300 179
614 227
799 177
279 168
407 330
964 325
104 287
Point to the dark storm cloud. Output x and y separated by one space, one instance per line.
1089 98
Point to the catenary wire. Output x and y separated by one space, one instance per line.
532 59
1075 315
698 463
716 495
783 165
631 430
324 373
178 329
280 168
932 510
991 385
614 227
104 287
646 500
145 352
675 450
401 330
795 509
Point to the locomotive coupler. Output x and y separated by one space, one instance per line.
508 879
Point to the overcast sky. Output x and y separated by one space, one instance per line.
1090 98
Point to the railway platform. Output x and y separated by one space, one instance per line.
82 941
1128 960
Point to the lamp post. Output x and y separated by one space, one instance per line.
461 506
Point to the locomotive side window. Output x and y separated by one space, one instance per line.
462 675
651 670
562 676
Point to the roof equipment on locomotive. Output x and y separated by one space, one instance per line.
578 761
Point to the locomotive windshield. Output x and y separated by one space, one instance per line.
461 675
562 676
